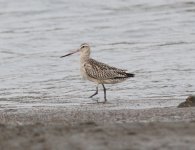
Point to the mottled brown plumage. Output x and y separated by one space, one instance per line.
104 74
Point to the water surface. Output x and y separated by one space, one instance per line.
154 39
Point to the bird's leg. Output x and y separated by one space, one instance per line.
96 92
104 93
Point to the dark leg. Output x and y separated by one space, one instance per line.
104 93
96 92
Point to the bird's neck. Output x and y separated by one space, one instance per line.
84 58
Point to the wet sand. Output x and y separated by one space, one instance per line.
99 126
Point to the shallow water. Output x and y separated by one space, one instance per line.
154 39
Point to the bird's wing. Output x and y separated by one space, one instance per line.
103 72
104 66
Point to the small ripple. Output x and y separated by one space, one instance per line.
172 43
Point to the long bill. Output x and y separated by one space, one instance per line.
70 53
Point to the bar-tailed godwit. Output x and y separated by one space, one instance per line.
98 72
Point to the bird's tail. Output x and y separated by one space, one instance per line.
130 74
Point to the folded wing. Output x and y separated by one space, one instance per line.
101 71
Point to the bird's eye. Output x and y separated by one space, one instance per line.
83 46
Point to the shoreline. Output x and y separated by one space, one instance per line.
97 114
97 127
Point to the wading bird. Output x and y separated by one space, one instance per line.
98 72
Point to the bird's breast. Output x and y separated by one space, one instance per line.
82 71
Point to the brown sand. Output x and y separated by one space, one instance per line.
97 127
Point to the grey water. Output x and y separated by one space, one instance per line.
154 39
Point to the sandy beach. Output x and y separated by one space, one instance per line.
98 127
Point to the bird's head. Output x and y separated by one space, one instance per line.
84 50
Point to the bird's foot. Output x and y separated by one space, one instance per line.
94 99
104 102
97 100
